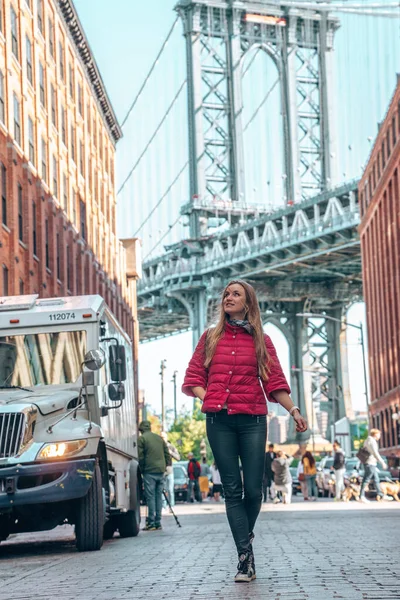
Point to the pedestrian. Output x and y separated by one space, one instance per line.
153 461
169 475
233 370
302 480
216 481
283 478
339 469
268 481
310 473
194 472
204 481
370 466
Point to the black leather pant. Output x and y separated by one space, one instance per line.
231 437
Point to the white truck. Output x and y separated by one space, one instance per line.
68 427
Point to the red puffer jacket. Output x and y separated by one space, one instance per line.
232 380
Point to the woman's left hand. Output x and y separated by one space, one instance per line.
301 423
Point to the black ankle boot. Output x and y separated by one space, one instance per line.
246 572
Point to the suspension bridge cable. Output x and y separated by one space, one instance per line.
149 74
255 113
152 137
143 223
170 227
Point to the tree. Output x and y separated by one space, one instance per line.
188 431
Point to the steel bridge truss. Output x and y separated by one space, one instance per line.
219 34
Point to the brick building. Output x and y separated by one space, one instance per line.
380 246
57 149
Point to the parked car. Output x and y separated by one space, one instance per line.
296 487
181 481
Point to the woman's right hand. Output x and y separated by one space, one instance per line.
301 423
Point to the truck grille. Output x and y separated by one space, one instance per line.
11 433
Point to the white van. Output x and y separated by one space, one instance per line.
68 426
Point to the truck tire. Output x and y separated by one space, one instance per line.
90 516
129 522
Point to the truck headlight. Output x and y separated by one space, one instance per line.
62 449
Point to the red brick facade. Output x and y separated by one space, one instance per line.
380 246
52 258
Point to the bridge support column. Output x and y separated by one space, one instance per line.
198 314
301 393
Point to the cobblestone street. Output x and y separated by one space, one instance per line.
321 551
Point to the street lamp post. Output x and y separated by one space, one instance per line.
174 382
361 330
162 369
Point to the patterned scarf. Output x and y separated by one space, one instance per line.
241 323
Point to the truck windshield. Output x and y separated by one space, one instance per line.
41 358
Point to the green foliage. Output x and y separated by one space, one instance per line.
188 431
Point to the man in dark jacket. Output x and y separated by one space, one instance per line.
154 458
268 481
194 472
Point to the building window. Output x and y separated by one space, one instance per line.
65 192
55 177
73 143
5 281
51 36
40 16
29 69
81 159
106 158
90 173
64 125
3 172
61 60
21 287
20 215
44 161
394 137
1 18
31 141
42 85
47 255
29 4
14 33
80 100
17 121
34 225
383 156
58 256
82 207
2 112
71 81
53 100
68 267
388 148
88 117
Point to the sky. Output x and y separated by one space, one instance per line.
125 40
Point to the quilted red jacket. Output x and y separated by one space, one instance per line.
232 377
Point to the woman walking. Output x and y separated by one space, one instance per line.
310 473
217 485
232 371
203 479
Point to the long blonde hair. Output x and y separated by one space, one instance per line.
254 318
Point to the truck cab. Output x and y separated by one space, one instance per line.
68 425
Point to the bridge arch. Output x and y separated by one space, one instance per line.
263 126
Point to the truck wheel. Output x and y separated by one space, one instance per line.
129 522
90 516
4 528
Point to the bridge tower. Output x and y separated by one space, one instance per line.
219 36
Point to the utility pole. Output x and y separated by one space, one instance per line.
162 369
174 382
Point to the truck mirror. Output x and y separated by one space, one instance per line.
116 392
117 361
94 359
